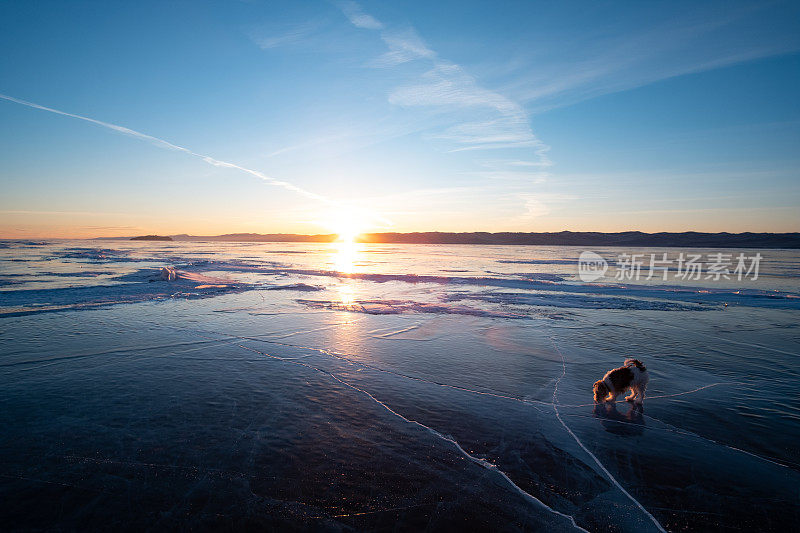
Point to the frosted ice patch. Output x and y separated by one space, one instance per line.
397 307
304 287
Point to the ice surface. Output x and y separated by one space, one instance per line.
268 387
396 307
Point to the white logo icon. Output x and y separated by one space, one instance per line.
591 266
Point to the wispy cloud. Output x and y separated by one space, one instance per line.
536 205
324 140
512 175
496 120
57 213
404 46
357 16
522 163
690 42
293 35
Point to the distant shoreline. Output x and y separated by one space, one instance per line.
152 238
564 238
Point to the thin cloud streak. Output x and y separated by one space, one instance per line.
358 18
210 160
646 57
404 46
169 146
568 94
58 213
294 35
308 144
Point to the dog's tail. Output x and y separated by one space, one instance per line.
635 362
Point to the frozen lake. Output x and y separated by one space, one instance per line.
374 387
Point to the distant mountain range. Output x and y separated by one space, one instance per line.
689 239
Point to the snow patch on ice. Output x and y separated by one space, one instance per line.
539 261
138 286
573 301
397 307
305 287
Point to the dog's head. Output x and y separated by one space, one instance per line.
600 391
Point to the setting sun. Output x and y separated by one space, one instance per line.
347 223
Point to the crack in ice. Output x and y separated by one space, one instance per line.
480 462
700 333
698 389
596 460
734 448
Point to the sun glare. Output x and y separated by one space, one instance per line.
347 225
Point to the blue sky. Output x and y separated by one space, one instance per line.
311 117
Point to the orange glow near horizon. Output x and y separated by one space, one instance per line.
349 223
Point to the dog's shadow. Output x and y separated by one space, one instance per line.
629 424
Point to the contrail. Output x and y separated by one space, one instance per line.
169 146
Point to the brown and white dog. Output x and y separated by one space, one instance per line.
632 375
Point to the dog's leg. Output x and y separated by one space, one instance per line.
632 396
642 390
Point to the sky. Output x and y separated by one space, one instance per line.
129 118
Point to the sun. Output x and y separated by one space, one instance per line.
348 224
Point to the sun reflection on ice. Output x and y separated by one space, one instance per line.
345 255
346 293
346 251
